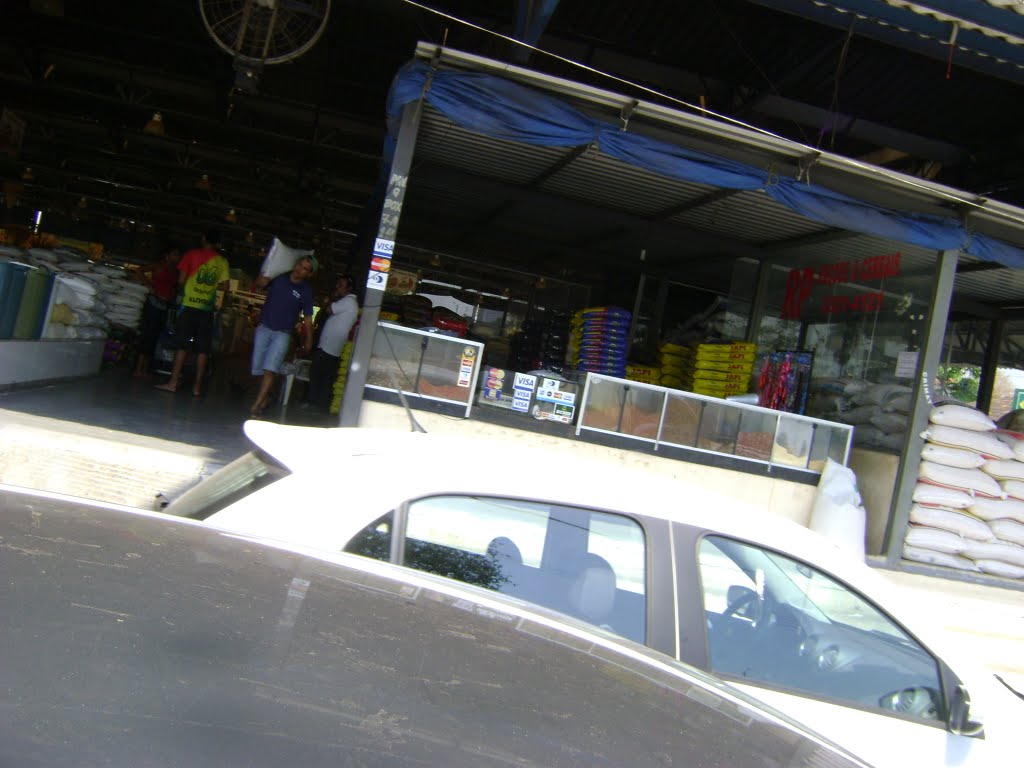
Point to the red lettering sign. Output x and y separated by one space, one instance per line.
798 290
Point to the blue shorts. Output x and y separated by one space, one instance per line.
269 349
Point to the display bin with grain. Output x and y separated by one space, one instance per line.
624 407
806 444
422 364
682 420
669 417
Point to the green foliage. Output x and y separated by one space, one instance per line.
960 382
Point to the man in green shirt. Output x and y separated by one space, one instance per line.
201 272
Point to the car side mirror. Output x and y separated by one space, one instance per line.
960 721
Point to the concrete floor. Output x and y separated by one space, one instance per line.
117 439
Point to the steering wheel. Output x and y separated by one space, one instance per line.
742 598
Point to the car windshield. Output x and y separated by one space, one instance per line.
243 476
806 589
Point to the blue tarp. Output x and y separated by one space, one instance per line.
504 109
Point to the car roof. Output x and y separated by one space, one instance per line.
140 638
387 467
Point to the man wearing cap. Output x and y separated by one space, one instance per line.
201 273
289 298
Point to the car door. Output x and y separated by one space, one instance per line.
798 639
609 569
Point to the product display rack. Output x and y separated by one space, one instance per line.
662 416
421 364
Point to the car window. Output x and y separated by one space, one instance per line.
775 620
374 540
582 562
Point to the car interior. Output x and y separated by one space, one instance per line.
568 577
812 636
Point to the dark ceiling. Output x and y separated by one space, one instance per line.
299 157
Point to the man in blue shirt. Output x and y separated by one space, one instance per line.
289 298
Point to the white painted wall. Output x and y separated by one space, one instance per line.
48 360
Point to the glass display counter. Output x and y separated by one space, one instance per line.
663 416
423 364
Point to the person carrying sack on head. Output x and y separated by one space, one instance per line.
289 298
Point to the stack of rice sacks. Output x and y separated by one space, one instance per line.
968 510
338 391
719 369
124 299
645 374
880 412
599 340
77 308
88 298
672 358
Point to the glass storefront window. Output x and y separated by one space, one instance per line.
863 317
1008 387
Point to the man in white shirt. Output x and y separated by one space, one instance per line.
337 317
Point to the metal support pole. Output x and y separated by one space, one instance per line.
760 302
990 367
929 357
380 263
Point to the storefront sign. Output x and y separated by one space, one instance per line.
522 392
1018 399
802 283
906 365
466 366
380 264
550 392
494 384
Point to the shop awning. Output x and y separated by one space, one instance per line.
523 107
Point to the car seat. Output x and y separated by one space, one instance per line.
504 552
592 591
508 566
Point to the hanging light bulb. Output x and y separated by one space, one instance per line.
27 175
250 237
83 203
435 260
231 217
155 126
203 183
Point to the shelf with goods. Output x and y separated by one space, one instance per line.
663 416
61 295
425 365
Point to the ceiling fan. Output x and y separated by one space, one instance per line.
260 32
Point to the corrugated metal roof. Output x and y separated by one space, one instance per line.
749 216
543 201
